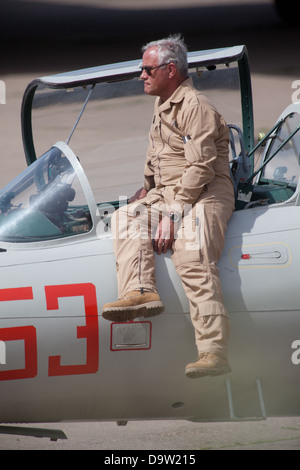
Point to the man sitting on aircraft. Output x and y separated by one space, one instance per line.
187 198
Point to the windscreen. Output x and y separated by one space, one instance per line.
45 202
284 166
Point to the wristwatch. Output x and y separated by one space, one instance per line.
174 216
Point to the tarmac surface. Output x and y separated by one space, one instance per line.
41 37
172 436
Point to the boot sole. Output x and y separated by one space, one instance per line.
119 314
195 373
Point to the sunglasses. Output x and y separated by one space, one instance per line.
148 69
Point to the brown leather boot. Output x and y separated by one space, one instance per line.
207 364
135 304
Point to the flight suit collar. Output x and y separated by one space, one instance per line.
177 96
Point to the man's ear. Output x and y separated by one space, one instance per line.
172 69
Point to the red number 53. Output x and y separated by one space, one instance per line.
89 331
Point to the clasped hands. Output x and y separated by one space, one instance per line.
165 231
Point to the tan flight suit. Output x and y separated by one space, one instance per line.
193 178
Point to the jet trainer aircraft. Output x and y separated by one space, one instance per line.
63 361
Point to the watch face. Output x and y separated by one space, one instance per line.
174 217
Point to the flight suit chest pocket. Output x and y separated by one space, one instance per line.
175 142
155 134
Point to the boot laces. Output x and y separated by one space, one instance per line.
204 356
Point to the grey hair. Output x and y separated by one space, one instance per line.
171 49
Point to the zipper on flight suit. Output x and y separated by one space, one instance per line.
158 155
140 266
